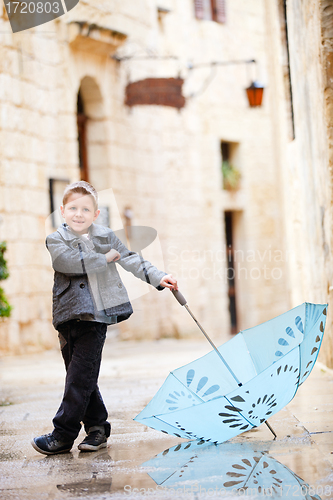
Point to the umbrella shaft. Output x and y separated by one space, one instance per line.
214 346
270 428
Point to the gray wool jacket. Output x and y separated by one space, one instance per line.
74 260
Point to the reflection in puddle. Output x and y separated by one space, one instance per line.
87 487
189 471
229 469
98 464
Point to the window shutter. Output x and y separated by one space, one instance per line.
199 9
219 11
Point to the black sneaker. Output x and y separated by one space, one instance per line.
95 440
49 445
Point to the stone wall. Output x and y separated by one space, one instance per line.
163 163
327 68
304 158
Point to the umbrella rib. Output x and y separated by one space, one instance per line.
253 468
214 346
175 472
270 428
191 438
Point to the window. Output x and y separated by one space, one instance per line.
211 10
286 67
57 187
82 129
231 175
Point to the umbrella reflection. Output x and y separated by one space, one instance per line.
225 470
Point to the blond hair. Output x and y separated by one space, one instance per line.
82 187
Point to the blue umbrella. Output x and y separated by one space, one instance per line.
236 469
239 385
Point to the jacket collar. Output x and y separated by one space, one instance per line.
94 230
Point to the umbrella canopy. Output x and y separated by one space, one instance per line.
203 400
237 469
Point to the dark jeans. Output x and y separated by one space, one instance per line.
81 345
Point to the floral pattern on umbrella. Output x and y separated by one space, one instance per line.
203 401
257 406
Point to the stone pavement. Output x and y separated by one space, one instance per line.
30 392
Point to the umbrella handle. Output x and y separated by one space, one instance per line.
180 297
182 301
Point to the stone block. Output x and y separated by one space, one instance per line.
12 337
329 69
11 89
10 227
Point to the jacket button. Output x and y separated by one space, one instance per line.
82 285
120 285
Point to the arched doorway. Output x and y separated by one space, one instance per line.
92 140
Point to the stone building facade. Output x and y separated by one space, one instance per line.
162 163
304 144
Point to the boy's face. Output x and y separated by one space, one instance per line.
79 212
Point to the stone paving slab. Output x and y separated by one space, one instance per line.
31 390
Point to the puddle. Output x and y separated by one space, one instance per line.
229 469
5 456
6 432
191 470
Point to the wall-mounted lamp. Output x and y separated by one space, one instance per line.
255 94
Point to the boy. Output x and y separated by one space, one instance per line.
88 295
